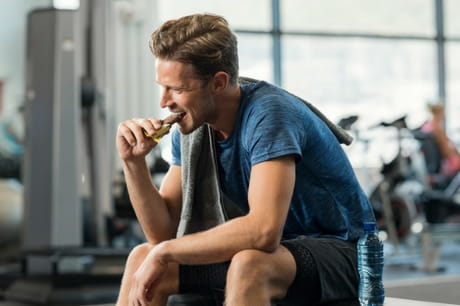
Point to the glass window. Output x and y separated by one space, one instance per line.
255 56
453 91
378 80
362 16
452 22
254 15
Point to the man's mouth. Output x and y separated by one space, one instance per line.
174 118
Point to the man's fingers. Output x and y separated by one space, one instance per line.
148 125
136 128
125 132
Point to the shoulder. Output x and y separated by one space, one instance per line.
273 122
265 104
260 91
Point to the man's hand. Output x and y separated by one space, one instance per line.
131 140
147 278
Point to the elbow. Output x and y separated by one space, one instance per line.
267 240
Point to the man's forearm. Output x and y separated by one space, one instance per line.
150 208
217 244
261 229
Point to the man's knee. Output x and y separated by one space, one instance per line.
170 281
250 277
138 254
268 274
250 265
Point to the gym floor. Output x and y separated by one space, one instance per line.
403 277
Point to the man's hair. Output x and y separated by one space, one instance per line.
203 40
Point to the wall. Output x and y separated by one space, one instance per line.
12 52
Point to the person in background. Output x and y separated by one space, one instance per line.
450 156
303 208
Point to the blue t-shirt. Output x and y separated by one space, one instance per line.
327 200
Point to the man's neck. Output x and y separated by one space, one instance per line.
227 112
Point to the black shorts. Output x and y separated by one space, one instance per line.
326 274
336 277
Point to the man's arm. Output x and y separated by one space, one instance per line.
270 192
157 211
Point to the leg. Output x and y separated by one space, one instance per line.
256 278
167 287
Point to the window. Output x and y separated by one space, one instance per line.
255 56
376 79
254 14
453 91
452 22
452 30
408 17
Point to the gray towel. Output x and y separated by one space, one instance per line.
203 204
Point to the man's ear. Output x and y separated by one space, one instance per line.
220 81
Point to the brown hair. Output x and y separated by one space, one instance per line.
203 40
435 108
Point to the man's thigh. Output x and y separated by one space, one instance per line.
325 271
251 265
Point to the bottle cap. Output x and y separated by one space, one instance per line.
370 226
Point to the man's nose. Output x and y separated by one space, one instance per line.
165 98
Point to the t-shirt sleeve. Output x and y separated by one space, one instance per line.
175 147
275 129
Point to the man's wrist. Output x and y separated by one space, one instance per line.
162 252
134 163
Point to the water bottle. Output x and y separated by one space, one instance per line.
370 267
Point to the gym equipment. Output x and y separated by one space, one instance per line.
57 267
413 200
52 171
395 197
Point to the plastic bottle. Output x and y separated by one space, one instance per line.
370 267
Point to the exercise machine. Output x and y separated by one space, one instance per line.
63 193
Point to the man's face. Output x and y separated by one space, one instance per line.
182 92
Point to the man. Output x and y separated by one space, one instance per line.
302 205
